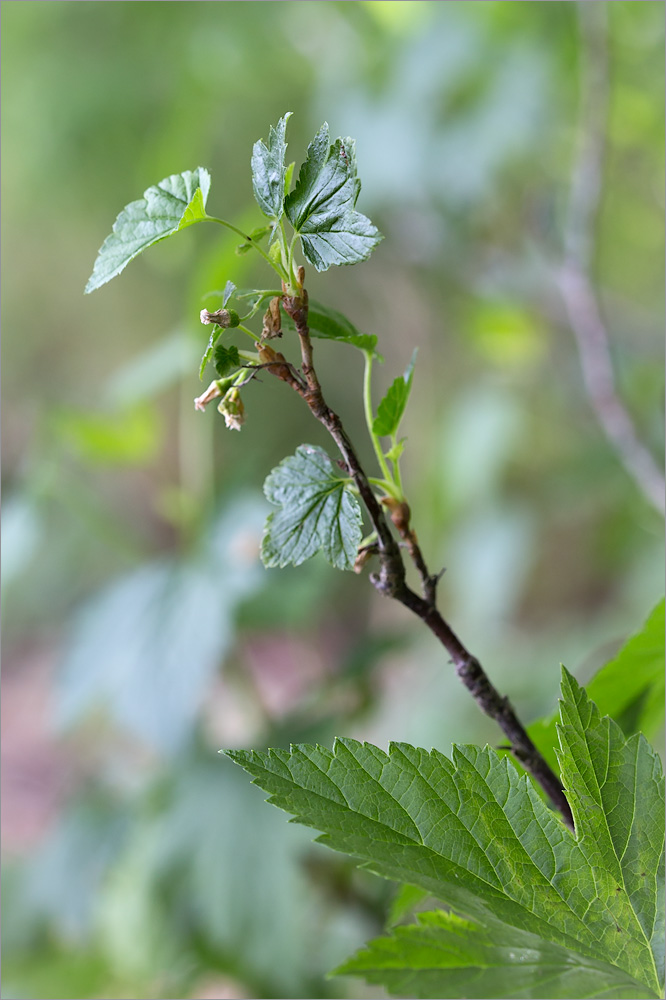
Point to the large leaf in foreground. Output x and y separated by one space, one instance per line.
616 791
317 511
322 206
443 956
176 202
475 834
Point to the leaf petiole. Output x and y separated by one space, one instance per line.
396 464
239 232
265 293
248 332
387 486
388 483
248 356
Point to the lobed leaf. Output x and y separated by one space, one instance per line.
321 208
630 687
444 956
615 787
475 834
345 239
226 360
317 511
392 407
176 202
269 171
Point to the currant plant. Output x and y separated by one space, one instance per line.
551 878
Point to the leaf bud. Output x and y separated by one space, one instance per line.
275 362
399 512
272 325
363 556
268 355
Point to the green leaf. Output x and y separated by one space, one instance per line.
268 170
629 688
329 324
394 454
195 211
616 791
256 236
215 333
288 175
226 360
317 511
176 202
407 897
473 832
321 208
444 956
229 290
392 407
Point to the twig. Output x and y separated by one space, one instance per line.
428 580
391 577
575 284
401 517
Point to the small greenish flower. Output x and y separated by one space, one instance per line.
222 317
214 390
232 409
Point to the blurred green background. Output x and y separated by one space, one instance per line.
140 631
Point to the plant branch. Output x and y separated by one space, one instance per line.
391 577
575 284
428 580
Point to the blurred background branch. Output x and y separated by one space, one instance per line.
576 283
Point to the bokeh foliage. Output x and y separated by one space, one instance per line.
132 523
